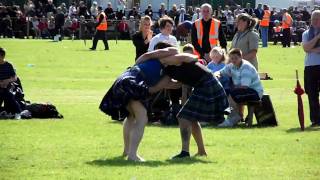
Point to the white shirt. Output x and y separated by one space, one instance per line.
162 38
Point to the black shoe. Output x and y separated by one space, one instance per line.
183 154
106 49
92 49
314 125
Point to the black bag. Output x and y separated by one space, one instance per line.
43 110
264 113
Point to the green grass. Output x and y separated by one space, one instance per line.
87 145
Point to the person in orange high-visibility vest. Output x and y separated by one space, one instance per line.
264 25
101 29
277 32
207 33
286 26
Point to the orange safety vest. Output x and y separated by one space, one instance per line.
266 18
277 29
103 26
213 33
286 21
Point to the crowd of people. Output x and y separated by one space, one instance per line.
42 19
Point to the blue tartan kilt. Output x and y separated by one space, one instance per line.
207 101
128 86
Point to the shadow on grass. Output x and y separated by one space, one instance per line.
121 161
307 129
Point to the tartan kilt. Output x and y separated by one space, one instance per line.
129 85
207 101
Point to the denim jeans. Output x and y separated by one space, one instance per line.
264 35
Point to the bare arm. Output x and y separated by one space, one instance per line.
178 59
308 46
251 55
4 83
164 83
160 53
315 50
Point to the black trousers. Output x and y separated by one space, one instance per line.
10 103
312 88
100 35
242 95
286 39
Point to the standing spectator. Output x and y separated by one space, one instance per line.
109 11
143 37
166 27
72 10
286 26
311 46
248 9
259 12
132 25
237 11
173 12
264 25
94 9
52 27
101 29
29 8
162 10
83 10
35 26
149 11
196 15
230 25
226 10
306 15
59 21
7 76
207 33
50 8
246 39
183 16
64 8
123 28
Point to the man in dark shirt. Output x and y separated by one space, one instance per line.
7 76
205 48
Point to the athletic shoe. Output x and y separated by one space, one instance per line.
17 116
182 154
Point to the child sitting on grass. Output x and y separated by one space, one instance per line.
7 76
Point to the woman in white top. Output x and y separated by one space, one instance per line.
166 26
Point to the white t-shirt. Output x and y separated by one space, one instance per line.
162 38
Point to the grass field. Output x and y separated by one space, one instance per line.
87 145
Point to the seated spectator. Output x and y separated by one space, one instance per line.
277 32
246 85
123 28
7 76
218 57
35 27
43 27
134 12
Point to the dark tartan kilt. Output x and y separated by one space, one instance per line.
129 86
207 102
